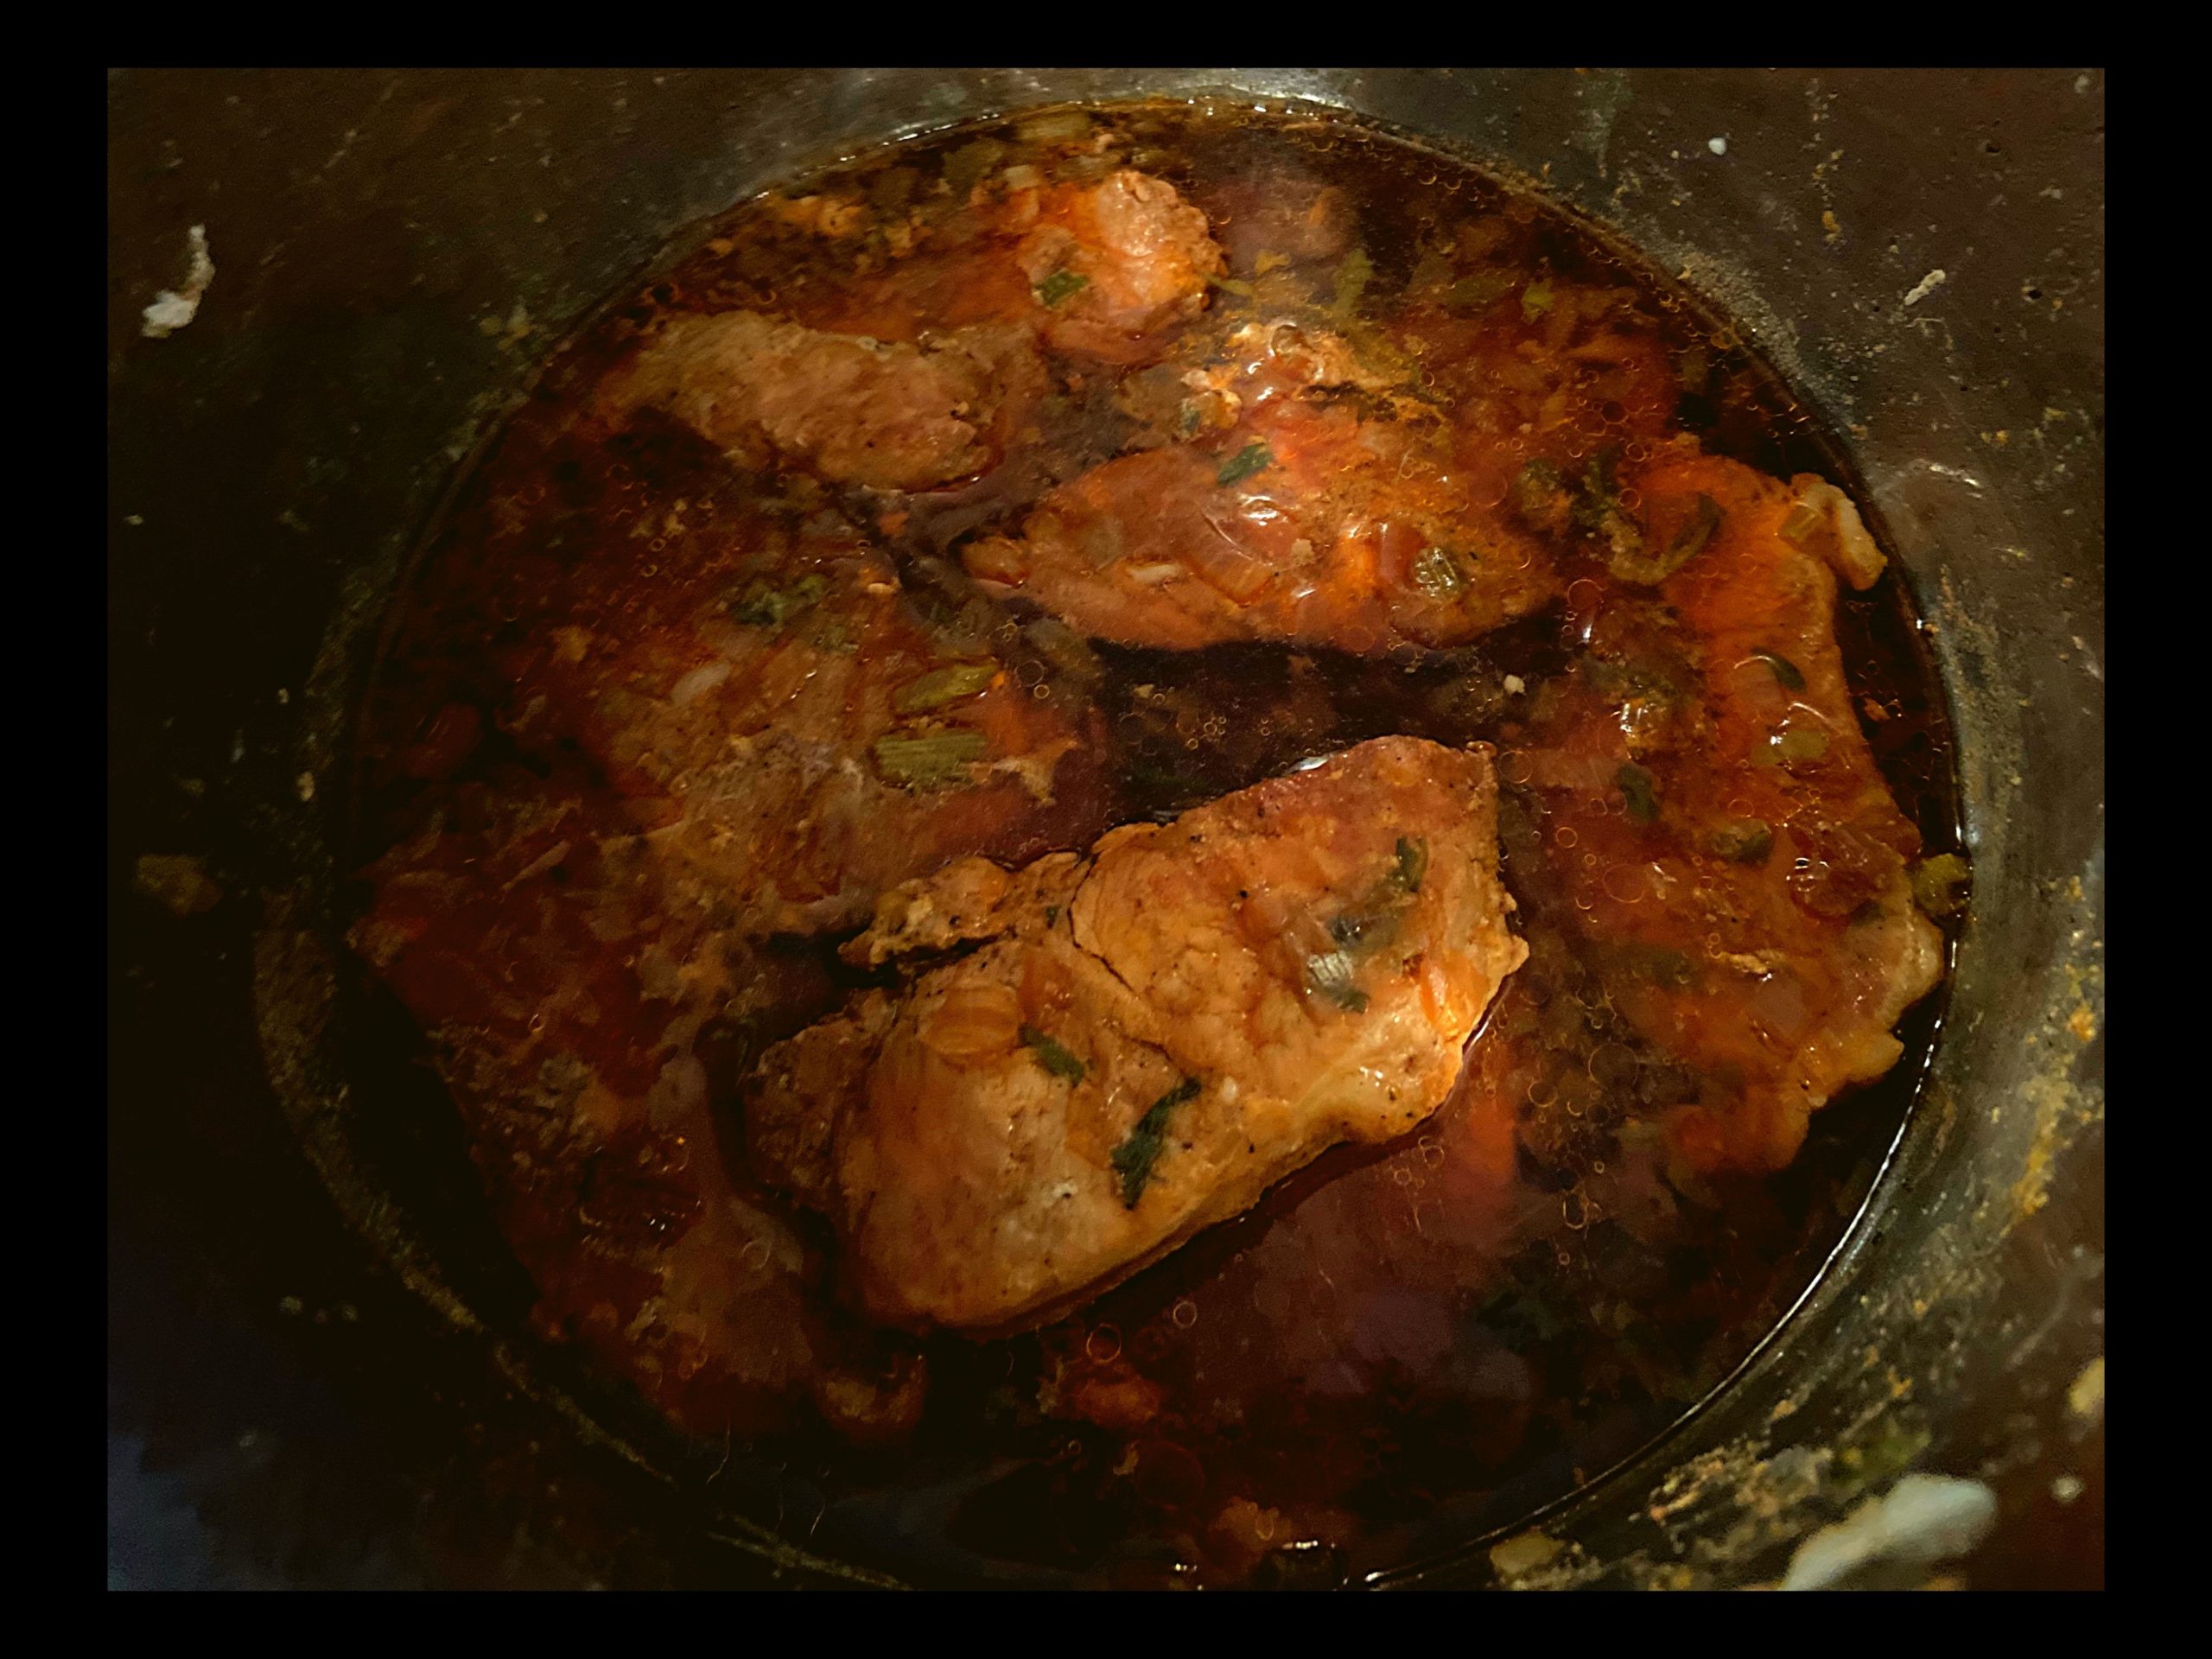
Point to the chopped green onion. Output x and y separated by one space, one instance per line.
1231 285
1801 525
1535 300
1473 293
1600 513
1690 539
1937 884
1694 370
939 758
1541 499
1371 928
1331 974
942 686
1436 573
1412 863
1052 1056
1245 462
1806 743
764 606
1133 1159
1637 788
1742 841
1633 560
1785 672
1062 285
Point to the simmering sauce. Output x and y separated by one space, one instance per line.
1029 480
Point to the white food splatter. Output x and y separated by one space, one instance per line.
171 311
1923 1520
1925 286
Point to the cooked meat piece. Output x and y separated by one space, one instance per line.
1115 262
896 416
796 730
1319 518
1103 271
1155 1036
886 397
1719 826
799 739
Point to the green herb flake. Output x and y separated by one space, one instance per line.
1600 513
1805 743
1801 525
1635 559
1413 863
942 686
1693 369
1371 928
1245 462
764 606
1939 884
1541 498
1889 1449
1242 291
1062 285
1053 1056
1637 788
1786 673
1436 573
1741 840
1354 272
1331 973
1484 287
1689 541
1535 300
1133 1159
938 759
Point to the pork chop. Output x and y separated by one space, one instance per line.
1144 1038
1317 502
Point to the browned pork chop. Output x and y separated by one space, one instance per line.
1149 1037
1317 502
1723 835
896 416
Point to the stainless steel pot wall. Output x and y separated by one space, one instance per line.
305 1389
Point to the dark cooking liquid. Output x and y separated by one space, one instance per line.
1399 1348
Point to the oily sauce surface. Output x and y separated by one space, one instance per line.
589 906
